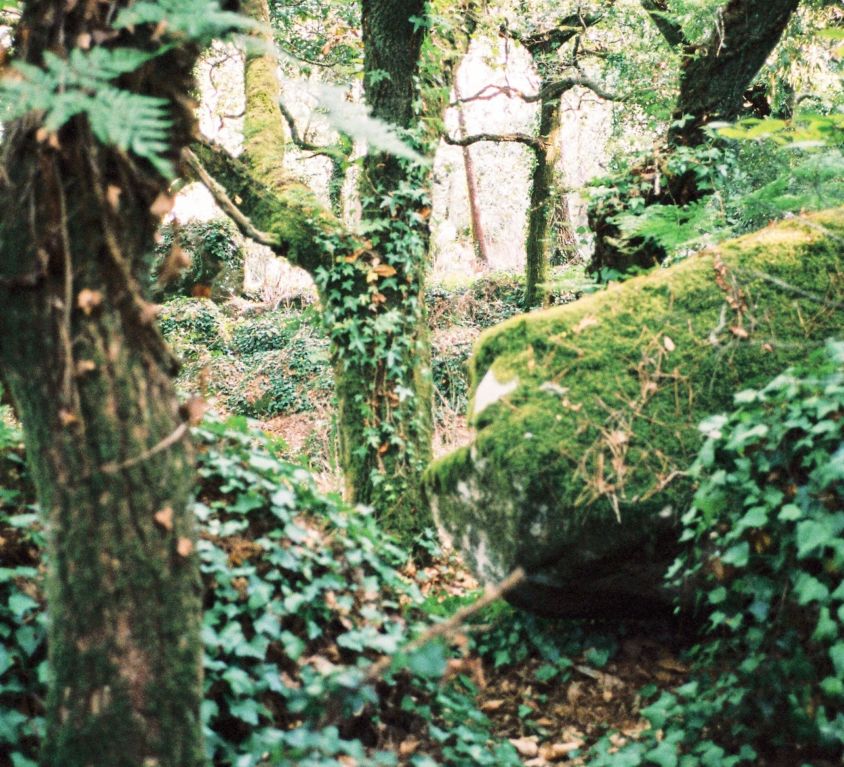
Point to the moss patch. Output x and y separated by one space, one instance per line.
582 465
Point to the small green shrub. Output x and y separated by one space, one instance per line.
192 326
265 334
216 260
764 553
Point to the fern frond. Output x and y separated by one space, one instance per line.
83 84
198 20
134 123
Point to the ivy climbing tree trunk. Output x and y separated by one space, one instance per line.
395 413
91 380
371 283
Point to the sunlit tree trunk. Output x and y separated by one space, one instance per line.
475 213
91 380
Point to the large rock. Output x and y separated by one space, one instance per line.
587 415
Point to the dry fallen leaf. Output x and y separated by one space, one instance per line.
113 196
408 746
195 409
88 300
739 332
165 519
669 345
85 366
488 706
555 752
184 547
162 204
178 259
527 747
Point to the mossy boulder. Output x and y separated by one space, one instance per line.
587 415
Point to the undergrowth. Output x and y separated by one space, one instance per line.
301 594
764 554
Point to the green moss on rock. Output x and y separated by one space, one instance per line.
587 414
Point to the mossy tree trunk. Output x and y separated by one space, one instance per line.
545 214
91 380
715 81
371 287
545 186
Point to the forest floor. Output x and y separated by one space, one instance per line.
549 712
554 712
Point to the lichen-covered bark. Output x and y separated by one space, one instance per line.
90 377
587 415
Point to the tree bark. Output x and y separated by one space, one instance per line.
539 244
714 83
717 75
371 288
475 213
91 380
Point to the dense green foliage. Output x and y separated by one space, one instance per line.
764 551
300 593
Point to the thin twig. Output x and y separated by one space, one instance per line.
447 627
229 208
166 443
783 285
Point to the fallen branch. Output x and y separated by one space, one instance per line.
447 627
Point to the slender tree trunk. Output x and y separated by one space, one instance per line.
543 191
398 418
475 213
371 289
91 380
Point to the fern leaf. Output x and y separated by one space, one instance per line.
197 20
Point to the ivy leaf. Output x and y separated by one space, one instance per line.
810 589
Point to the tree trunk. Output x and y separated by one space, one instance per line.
91 380
714 84
717 75
476 217
543 190
396 421
371 289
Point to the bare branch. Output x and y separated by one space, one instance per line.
448 627
535 143
550 91
559 87
550 39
